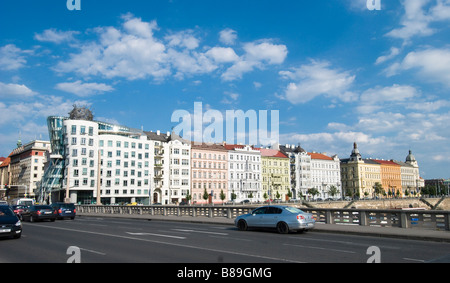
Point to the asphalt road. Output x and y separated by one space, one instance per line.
112 240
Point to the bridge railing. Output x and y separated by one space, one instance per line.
423 219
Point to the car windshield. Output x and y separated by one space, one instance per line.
6 211
293 209
67 205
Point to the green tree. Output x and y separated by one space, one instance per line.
222 196
205 195
378 189
333 191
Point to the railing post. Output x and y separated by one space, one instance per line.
404 220
328 217
362 218
447 221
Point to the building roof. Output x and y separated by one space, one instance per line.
5 162
157 136
208 146
234 146
321 156
386 162
272 153
291 148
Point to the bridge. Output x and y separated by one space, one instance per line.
401 218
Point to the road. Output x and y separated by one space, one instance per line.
113 240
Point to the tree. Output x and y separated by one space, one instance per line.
333 191
205 195
188 198
378 188
313 192
222 196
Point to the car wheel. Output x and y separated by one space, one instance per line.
282 228
242 225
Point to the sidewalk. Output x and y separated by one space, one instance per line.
393 232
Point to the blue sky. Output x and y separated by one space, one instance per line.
336 71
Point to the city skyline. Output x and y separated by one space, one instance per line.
337 72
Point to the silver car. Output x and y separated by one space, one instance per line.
283 218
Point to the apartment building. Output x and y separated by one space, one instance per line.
275 175
22 171
359 175
326 175
244 173
169 168
209 173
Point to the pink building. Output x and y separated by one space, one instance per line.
209 171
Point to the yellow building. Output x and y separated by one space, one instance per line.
359 175
275 174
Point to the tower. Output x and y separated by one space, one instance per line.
355 156
410 159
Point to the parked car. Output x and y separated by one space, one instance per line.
10 225
39 212
64 210
282 218
18 210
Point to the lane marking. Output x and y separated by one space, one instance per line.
157 235
92 251
413 259
320 248
198 231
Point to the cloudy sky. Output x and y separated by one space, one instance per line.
336 71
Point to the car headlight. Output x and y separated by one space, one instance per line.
18 223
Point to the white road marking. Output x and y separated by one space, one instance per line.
92 251
198 231
320 248
157 235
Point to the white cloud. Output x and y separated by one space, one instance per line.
257 55
388 94
139 28
230 97
433 65
391 97
265 51
222 54
133 52
183 39
15 91
317 78
419 16
55 36
11 58
228 36
392 53
84 89
428 106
